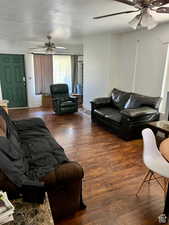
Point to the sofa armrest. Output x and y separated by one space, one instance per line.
8 186
141 111
101 101
65 173
97 103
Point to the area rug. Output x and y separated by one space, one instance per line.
31 214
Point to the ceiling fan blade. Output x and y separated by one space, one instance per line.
158 3
114 14
38 47
162 10
36 50
128 2
60 47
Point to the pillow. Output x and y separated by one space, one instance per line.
164 149
119 98
3 128
132 103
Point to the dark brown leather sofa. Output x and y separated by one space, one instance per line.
124 113
60 178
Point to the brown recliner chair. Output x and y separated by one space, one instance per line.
63 184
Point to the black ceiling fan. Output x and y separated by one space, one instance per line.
144 7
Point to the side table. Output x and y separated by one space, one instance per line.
162 126
79 98
47 101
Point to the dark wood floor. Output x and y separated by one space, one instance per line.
113 170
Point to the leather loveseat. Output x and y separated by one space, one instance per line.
126 114
32 162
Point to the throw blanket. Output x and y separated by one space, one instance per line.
28 151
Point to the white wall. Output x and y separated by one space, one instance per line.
149 63
99 57
132 61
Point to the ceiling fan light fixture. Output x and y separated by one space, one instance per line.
152 25
147 20
135 22
50 51
144 19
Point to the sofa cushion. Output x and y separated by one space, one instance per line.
136 100
132 103
141 111
110 113
119 98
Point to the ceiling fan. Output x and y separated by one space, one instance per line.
49 47
144 8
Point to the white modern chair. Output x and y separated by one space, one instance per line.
150 154
155 162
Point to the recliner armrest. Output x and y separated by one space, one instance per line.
59 99
101 101
141 111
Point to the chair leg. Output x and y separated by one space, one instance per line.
165 186
159 182
150 177
148 174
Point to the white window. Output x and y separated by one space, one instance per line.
62 70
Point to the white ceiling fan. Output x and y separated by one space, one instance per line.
48 47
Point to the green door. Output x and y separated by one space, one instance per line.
13 81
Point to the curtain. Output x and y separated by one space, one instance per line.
74 63
62 70
43 67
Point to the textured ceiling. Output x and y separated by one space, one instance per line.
67 20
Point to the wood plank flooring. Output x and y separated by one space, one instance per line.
113 171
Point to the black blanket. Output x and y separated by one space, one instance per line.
29 151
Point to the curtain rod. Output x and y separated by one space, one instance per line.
54 54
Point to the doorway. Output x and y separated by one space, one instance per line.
13 80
